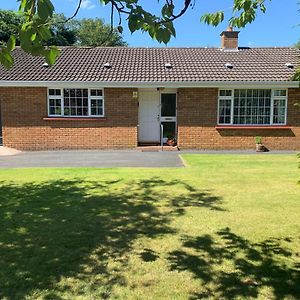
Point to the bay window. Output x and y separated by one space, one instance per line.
252 107
75 102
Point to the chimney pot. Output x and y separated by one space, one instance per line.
230 39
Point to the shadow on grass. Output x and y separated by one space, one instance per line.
256 265
75 236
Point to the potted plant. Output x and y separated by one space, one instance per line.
259 145
171 141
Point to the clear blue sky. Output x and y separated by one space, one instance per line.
278 27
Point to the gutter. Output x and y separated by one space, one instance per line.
160 84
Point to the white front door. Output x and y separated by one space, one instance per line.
149 117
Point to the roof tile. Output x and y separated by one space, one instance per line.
148 65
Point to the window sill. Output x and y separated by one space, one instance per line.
221 127
75 119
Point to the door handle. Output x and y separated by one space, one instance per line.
158 118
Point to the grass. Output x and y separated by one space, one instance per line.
225 227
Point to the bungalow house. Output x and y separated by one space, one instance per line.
207 98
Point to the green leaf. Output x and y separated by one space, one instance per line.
296 77
167 10
26 5
51 54
132 23
44 32
11 43
45 9
163 35
213 19
6 58
171 28
22 5
120 29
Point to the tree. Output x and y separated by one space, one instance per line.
9 24
62 33
94 32
38 14
85 32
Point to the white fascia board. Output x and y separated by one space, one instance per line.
140 84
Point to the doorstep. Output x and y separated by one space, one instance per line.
157 148
5 151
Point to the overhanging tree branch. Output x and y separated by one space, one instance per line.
76 11
38 14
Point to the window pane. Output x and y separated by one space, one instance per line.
225 93
279 93
85 111
169 129
55 106
54 92
52 110
67 111
252 107
78 101
75 104
52 102
72 92
66 93
58 110
96 93
96 107
168 105
85 93
279 111
224 111
78 93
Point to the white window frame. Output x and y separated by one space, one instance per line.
231 109
61 97
49 97
273 97
95 98
286 105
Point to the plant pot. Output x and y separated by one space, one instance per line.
260 148
171 142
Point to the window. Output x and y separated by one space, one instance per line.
55 102
279 111
76 102
225 93
225 111
168 105
279 107
97 103
252 107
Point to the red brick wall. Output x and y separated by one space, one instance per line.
23 110
229 42
197 118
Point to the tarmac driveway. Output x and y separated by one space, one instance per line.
97 159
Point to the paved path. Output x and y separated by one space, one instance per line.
107 159
98 159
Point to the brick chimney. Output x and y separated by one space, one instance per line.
230 39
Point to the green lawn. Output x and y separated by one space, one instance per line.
225 227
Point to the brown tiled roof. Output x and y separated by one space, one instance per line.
148 65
